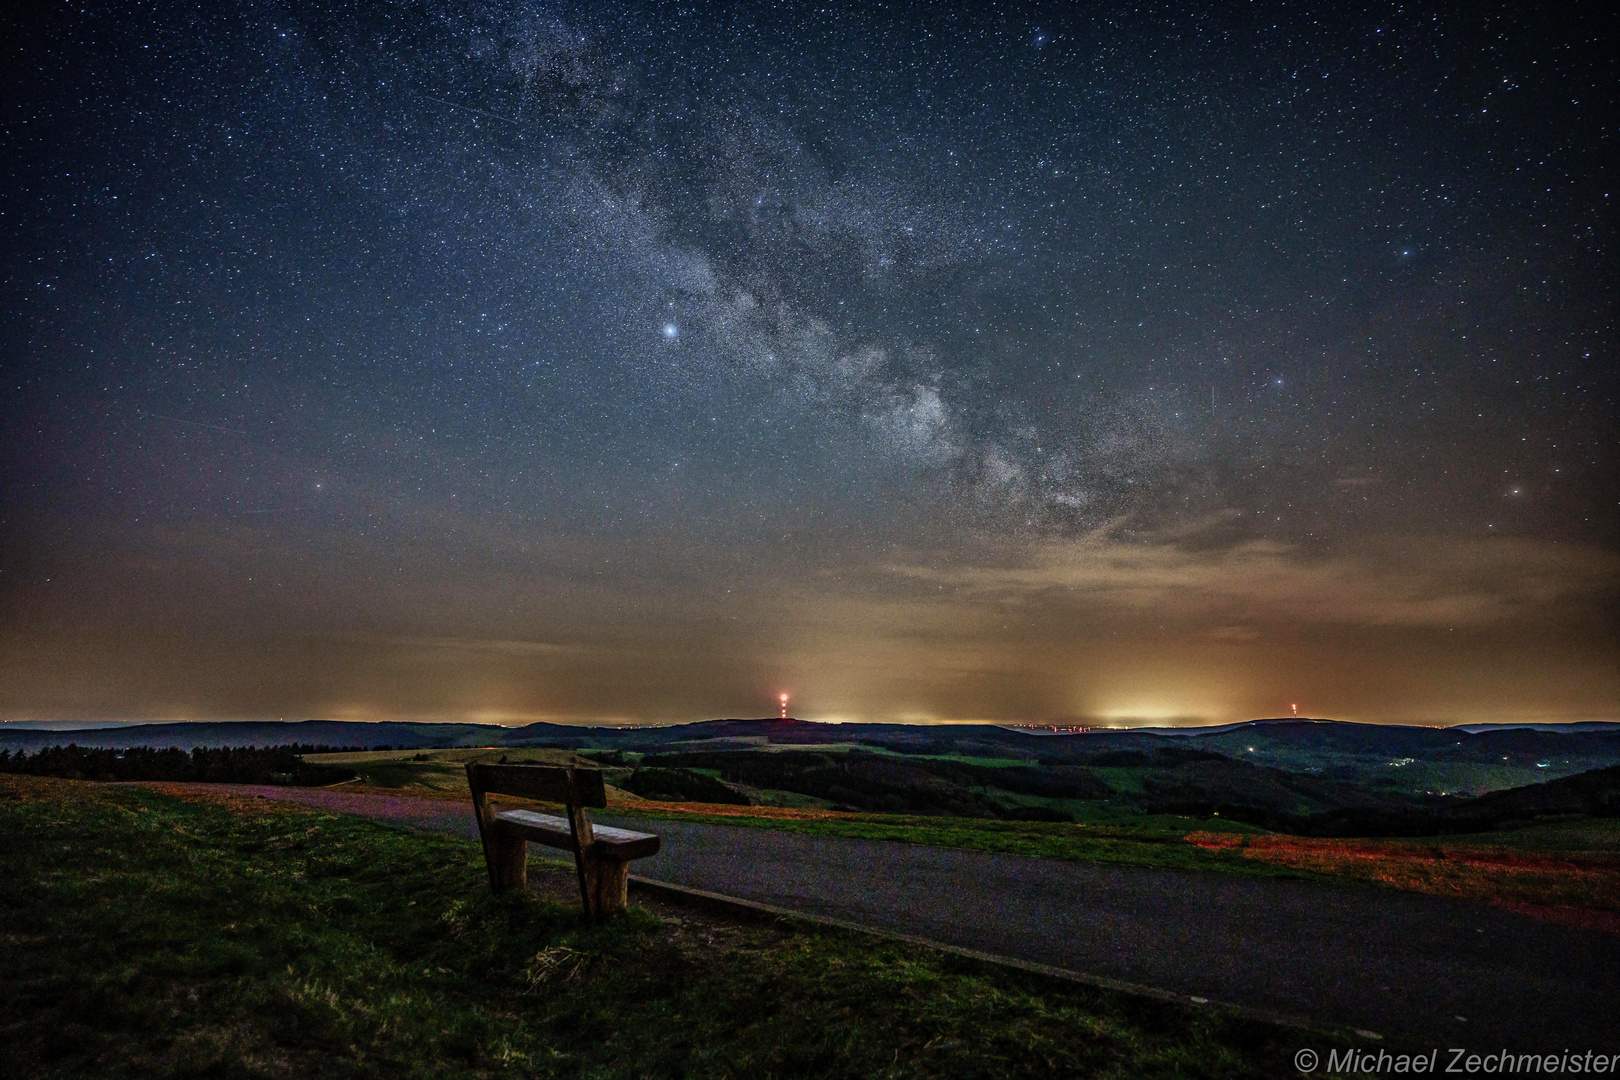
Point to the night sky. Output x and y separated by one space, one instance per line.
640 362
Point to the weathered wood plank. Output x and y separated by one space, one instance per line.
508 861
552 831
609 883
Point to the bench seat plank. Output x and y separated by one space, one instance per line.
620 845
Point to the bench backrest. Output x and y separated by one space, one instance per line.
574 788
546 783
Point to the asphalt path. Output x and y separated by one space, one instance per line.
1420 968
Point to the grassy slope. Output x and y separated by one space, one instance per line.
435 770
1577 879
1139 840
1145 844
142 935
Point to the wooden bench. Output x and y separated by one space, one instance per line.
601 855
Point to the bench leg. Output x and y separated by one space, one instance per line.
608 881
508 861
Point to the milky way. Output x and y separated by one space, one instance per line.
634 362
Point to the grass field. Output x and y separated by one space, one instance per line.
1150 843
1575 887
145 935
435 770
1563 871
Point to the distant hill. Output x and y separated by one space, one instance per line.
1589 794
1316 777
1447 744
257 733
1581 725
1316 736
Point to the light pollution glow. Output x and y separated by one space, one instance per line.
1096 631
619 364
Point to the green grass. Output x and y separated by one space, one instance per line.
1108 833
1157 841
1414 776
143 936
438 770
1105 835
1570 834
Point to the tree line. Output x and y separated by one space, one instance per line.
217 765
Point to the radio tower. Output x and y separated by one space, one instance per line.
784 706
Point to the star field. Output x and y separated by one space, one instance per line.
636 362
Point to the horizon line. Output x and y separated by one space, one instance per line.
1034 727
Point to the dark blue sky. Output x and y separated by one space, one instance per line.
526 360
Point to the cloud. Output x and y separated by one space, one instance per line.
489 646
1414 582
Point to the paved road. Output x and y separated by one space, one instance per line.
1397 963
1440 972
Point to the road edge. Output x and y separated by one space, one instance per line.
755 910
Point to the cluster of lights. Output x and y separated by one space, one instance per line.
784 706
